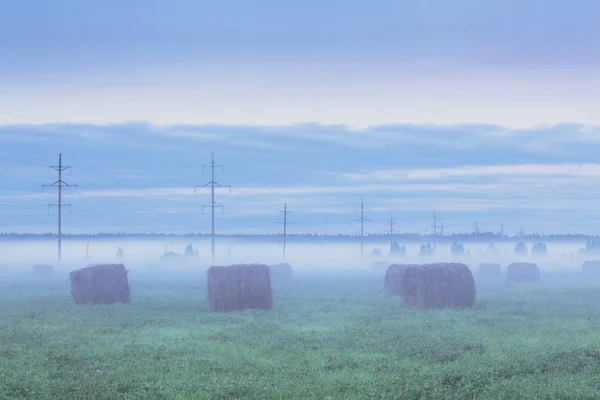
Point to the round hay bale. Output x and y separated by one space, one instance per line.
239 287
281 272
43 270
438 285
591 268
522 272
100 284
491 271
393 278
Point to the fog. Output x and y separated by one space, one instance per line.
141 254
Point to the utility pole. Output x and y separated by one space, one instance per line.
521 234
435 226
362 220
285 223
212 184
60 168
476 234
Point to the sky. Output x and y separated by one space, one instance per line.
475 110
139 177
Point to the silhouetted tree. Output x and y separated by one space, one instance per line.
521 249
396 249
539 249
457 249
426 250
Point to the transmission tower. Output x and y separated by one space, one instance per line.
60 184
212 184
476 231
521 234
362 220
285 223
434 226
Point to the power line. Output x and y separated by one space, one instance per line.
285 223
212 184
362 220
60 168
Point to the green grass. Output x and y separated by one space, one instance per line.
328 336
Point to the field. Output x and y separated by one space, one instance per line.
330 335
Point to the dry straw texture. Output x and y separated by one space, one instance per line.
239 287
438 286
591 268
522 272
490 271
43 270
106 284
393 278
281 272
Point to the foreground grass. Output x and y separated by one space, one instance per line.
337 337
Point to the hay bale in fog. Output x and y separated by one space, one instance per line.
591 268
281 272
393 278
522 272
43 270
491 271
239 287
438 286
100 284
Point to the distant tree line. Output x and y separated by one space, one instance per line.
402 237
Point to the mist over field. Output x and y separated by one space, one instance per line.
326 255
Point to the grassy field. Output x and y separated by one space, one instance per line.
329 336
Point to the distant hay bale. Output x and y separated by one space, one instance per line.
438 285
100 284
281 272
239 287
522 272
393 278
379 265
591 268
43 270
491 271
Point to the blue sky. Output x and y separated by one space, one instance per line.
139 177
475 109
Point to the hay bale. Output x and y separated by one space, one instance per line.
491 271
239 287
522 272
100 284
438 286
43 270
281 272
393 278
591 268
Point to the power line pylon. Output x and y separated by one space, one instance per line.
212 184
285 223
60 168
476 231
434 226
392 231
362 220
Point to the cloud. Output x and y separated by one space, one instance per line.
464 172
483 171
